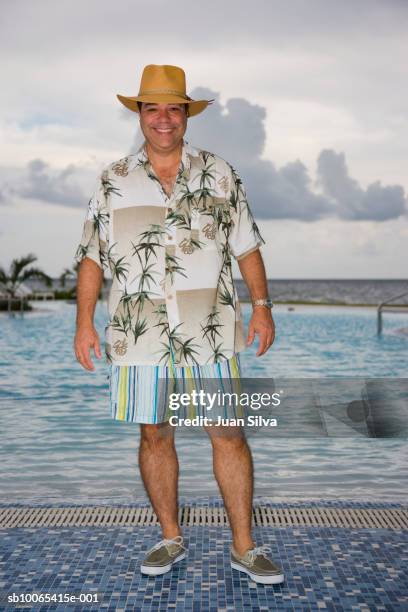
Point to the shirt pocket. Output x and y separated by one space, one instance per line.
214 221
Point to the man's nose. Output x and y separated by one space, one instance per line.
164 113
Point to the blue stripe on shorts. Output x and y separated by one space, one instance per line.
140 393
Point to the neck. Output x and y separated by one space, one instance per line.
164 160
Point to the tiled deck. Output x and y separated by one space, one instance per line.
326 568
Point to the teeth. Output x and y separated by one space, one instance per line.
165 130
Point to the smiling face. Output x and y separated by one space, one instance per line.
163 125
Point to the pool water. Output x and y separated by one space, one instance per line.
59 443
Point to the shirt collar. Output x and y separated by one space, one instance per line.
141 158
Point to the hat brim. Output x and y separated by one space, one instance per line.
194 106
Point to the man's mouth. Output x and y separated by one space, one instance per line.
163 130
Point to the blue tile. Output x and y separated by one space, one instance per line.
326 568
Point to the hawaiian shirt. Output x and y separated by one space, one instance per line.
172 298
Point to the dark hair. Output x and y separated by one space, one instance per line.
139 104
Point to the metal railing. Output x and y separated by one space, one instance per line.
9 299
383 307
42 295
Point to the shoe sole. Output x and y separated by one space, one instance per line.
274 579
154 570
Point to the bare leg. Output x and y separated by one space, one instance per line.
233 470
159 469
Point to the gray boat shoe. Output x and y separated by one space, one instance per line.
160 558
257 565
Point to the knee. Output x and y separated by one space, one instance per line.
153 436
227 437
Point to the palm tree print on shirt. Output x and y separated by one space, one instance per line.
174 347
145 249
210 220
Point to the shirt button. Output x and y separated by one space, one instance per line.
169 210
170 296
170 237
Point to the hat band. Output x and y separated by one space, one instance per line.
176 92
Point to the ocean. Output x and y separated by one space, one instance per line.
316 291
326 291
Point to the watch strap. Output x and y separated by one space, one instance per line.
263 302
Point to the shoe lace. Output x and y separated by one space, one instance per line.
166 541
258 550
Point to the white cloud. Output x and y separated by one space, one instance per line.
313 91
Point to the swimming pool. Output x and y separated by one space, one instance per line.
58 441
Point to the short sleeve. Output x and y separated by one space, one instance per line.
94 240
244 236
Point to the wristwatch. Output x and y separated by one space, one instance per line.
263 302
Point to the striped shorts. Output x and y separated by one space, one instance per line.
140 393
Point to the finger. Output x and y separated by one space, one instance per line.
85 358
269 342
97 348
82 361
269 338
78 351
251 333
262 343
88 359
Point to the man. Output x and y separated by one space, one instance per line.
166 221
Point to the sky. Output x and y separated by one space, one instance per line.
310 108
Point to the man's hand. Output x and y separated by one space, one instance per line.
86 337
261 323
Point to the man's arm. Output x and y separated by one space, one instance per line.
89 283
253 272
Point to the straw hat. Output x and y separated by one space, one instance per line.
163 84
